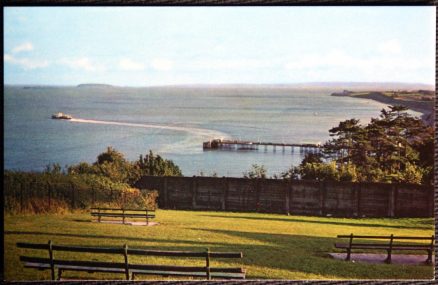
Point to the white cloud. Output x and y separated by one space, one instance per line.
83 63
26 63
162 64
23 47
129 64
390 47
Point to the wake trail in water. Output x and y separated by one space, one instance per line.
191 144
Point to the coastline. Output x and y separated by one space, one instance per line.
424 107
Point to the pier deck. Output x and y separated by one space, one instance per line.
251 145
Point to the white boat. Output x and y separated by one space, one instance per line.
61 116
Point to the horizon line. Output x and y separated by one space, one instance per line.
326 83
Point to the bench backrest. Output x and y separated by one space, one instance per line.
391 239
125 251
119 209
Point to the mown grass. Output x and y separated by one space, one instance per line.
274 246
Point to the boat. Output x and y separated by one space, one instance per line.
61 116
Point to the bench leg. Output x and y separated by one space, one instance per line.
429 257
348 255
59 274
388 259
133 276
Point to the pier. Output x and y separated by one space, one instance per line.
250 145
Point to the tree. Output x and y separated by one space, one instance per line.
54 168
319 171
155 165
112 164
256 171
395 147
343 144
110 156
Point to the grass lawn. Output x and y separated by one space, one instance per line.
273 246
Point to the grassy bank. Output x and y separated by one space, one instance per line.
274 246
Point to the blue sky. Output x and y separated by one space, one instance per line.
144 46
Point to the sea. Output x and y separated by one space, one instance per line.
172 121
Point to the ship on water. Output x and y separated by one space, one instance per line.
61 116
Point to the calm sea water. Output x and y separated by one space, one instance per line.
171 121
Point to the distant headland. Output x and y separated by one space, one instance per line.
94 85
422 101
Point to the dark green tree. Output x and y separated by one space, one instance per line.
155 165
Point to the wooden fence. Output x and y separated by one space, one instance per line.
342 199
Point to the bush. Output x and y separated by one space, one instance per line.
57 193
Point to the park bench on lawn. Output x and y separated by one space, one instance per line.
388 243
122 213
125 266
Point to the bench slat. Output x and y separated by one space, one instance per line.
70 248
193 274
185 253
387 237
119 209
216 274
383 246
131 251
119 265
74 268
121 215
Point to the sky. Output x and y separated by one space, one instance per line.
150 46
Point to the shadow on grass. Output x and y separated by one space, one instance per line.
83 220
278 251
426 225
309 254
122 238
286 252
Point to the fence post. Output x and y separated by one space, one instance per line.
193 190
224 194
287 197
209 198
259 187
322 197
291 196
391 201
358 201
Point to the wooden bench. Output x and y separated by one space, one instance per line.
126 267
122 213
393 243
